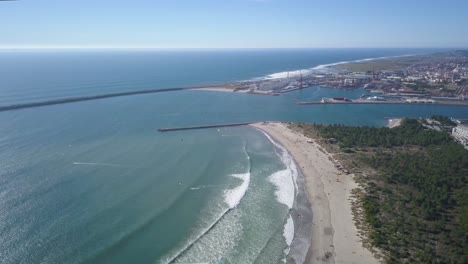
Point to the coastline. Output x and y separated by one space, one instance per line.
214 88
328 66
334 236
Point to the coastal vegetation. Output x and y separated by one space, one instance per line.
415 199
382 64
445 121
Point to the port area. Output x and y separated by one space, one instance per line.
378 100
236 87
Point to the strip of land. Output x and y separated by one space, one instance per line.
413 197
226 88
335 237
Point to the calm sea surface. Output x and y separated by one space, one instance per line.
95 182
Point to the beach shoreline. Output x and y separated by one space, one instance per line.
334 236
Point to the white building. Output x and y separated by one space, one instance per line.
461 131
419 101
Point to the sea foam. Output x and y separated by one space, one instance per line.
284 187
283 75
285 180
320 68
234 196
288 232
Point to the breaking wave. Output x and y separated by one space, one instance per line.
203 187
322 68
190 243
232 197
288 233
285 182
284 187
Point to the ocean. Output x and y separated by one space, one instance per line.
95 182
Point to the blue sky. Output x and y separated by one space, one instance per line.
234 23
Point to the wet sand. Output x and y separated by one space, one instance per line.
334 235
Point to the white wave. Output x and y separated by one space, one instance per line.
288 234
296 73
234 196
194 238
98 164
285 180
286 74
203 187
284 187
324 66
216 243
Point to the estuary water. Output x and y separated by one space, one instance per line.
95 182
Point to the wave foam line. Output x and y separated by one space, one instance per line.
190 243
285 180
283 75
232 198
203 187
323 66
296 73
193 241
288 232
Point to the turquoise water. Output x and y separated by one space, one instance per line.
95 182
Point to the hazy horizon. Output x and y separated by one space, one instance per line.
214 48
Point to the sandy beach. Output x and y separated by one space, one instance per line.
334 235
394 122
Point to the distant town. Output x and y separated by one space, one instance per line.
435 78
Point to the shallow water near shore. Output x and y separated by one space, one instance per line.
95 182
